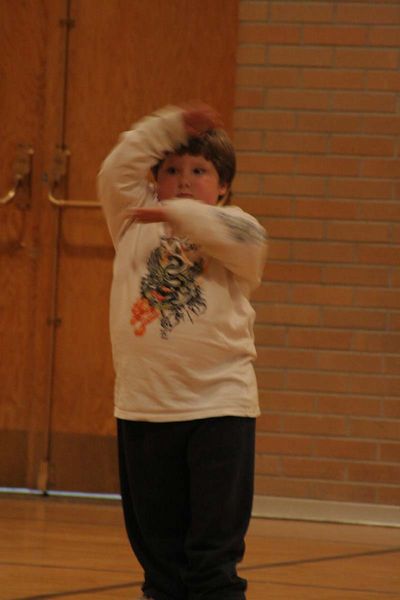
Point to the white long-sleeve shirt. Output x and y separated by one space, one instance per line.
180 317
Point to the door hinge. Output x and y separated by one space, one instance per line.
68 23
56 321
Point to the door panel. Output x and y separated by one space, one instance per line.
23 51
125 59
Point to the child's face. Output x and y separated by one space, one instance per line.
189 176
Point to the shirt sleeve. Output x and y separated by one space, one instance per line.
228 234
123 181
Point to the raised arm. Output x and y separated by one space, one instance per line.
228 234
123 179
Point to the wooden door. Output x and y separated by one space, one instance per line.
124 59
24 44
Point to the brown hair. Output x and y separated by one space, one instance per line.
214 145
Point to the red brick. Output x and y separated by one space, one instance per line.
350 405
296 143
269 379
298 99
384 36
381 124
379 429
390 452
362 145
270 335
317 381
379 211
269 34
304 186
286 314
253 11
269 423
246 184
350 361
284 444
358 188
376 342
313 469
267 465
260 163
353 318
320 338
274 486
268 77
291 229
250 55
300 56
315 165
344 492
334 79
323 252
355 275
394 322
328 319
283 401
388 495
360 232
374 473
292 272
317 294
377 298
366 58
257 119
278 358
328 209
313 424
249 98
330 122
271 293
391 407
279 250
372 13
248 140
383 80
395 278
380 168
304 12
334 35
262 206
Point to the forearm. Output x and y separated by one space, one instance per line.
231 236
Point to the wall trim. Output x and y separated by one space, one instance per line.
276 507
330 512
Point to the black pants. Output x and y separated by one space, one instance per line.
187 491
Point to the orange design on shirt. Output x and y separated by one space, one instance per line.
142 315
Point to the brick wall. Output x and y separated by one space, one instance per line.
317 125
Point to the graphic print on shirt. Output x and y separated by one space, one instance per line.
169 290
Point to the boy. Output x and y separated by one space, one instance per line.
182 337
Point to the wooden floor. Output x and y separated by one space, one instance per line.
57 548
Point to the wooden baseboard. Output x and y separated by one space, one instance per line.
326 511
268 507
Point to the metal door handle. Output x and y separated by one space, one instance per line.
22 168
60 171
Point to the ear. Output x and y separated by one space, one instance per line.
223 194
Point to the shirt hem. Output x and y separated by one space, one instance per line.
185 416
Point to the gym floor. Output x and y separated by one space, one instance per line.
61 548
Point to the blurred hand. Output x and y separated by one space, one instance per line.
198 118
149 215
